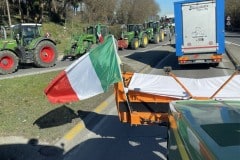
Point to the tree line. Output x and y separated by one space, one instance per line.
91 11
88 11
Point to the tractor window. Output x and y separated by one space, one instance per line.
155 25
16 31
28 32
90 30
150 25
131 28
139 28
104 31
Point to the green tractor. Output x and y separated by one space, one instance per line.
154 31
134 37
82 43
25 45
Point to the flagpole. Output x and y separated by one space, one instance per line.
127 99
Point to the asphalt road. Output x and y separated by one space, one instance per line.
29 69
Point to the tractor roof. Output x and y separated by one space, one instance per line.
27 24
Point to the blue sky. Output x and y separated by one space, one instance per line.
166 6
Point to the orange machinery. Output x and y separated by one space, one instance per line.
122 43
137 108
140 108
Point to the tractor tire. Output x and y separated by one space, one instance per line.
45 54
156 39
144 41
135 44
8 62
161 34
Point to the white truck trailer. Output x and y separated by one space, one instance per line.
199 31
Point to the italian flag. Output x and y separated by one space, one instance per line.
99 34
90 75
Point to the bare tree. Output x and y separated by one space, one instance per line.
136 11
100 10
8 11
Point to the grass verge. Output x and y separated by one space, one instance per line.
25 110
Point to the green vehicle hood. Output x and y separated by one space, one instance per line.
209 126
128 35
34 42
8 44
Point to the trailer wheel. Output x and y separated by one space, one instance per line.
135 43
144 42
45 54
8 62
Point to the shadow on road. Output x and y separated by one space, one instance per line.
30 151
120 142
160 59
150 58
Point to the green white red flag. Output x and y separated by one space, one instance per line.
99 34
90 75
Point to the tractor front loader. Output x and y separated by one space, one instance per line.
82 43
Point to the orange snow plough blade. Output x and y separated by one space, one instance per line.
139 108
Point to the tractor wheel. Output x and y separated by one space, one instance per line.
156 38
8 62
161 34
135 43
144 42
45 54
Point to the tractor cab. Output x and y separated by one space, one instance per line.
104 30
90 30
134 27
150 25
25 33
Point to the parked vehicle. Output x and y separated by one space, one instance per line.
26 44
133 37
199 31
82 43
154 31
